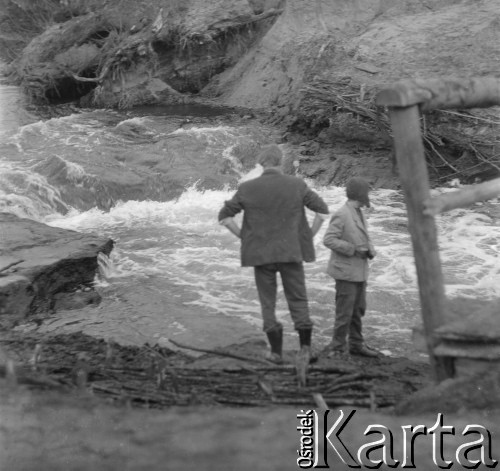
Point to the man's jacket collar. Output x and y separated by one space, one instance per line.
357 219
272 171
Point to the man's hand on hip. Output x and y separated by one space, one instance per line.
231 226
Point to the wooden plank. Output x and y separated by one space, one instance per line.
478 326
415 180
462 198
468 321
472 351
480 92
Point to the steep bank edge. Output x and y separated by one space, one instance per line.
52 262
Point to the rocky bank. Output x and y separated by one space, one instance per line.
44 268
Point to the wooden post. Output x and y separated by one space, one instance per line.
415 180
404 100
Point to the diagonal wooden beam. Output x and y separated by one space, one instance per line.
462 198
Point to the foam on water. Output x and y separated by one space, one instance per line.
470 251
210 133
33 144
27 193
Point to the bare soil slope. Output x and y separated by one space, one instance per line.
371 42
320 66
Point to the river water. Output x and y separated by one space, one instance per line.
174 272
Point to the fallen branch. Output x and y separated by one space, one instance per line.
426 139
483 159
349 378
245 20
299 401
320 401
373 402
30 379
217 352
99 79
267 388
469 116
356 380
350 384
11 265
331 369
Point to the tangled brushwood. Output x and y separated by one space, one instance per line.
106 57
462 144
157 377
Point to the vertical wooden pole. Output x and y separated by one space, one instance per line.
414 177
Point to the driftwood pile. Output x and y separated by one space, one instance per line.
458 143
156 377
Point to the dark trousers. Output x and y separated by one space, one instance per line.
294 286
350 307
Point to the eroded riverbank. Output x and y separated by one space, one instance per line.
41 267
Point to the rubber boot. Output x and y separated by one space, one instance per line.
275 338
305 344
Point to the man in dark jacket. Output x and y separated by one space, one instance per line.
348 239
276 237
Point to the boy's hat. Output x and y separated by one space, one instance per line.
357 188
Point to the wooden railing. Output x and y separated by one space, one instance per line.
406 100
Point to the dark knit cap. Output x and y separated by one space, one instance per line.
357 188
